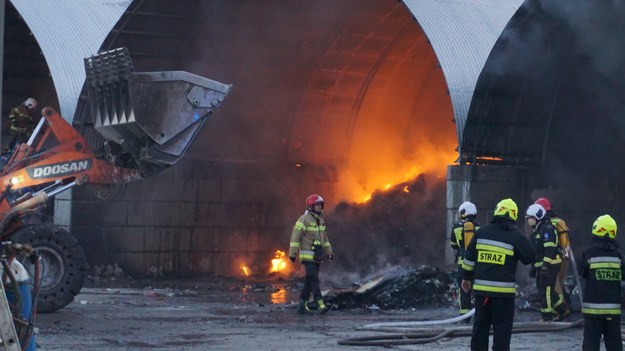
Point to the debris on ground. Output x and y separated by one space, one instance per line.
403 288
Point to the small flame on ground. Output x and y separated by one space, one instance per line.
245 270
278 263
279 297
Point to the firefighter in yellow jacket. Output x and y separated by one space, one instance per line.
22 121
310 240
459 239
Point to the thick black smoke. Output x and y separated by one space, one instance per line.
393 228
554 86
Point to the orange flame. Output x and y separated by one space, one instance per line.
245 270
278 263
411 174
279 296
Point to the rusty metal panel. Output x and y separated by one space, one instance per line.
68 31
462 33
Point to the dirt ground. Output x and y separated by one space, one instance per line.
231 315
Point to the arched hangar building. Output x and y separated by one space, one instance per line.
524 98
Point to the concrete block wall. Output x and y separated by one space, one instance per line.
196 218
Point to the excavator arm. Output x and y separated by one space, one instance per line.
145 121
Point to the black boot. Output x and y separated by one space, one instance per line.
322 307
561 313
303 307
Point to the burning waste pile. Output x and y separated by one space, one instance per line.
397 235
401 227
402 288
404 225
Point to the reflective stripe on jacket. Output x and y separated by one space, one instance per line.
603 267
308 228
491 258
545 242
21 120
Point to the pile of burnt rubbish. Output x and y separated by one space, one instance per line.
403 288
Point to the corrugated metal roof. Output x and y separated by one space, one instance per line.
68 31
462 33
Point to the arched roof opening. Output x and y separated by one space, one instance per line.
550 99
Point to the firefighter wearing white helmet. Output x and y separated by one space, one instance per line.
564 245
461 234
602 266
310 240
547 264
22 121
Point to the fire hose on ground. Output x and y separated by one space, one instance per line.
422 335
416 332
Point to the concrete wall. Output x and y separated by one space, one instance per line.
195 218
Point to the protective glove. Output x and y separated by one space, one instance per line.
331 257
292 258
565 254
533 272
465 285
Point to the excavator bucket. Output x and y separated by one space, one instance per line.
148 119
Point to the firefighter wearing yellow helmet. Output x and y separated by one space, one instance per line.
547 265
489 268
602 265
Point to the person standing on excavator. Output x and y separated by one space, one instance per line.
489 268
461 235
547 264
310 240
564 245
22 121
603 267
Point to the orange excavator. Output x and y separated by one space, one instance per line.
143 123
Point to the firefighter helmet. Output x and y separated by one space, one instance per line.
536 211
507 207
467 209
313 200
604 225
30 103
544 202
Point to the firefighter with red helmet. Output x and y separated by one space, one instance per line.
547 264
603 267
564 245
310 240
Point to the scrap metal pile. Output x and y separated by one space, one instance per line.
402 288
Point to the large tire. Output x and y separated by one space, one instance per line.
64 265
